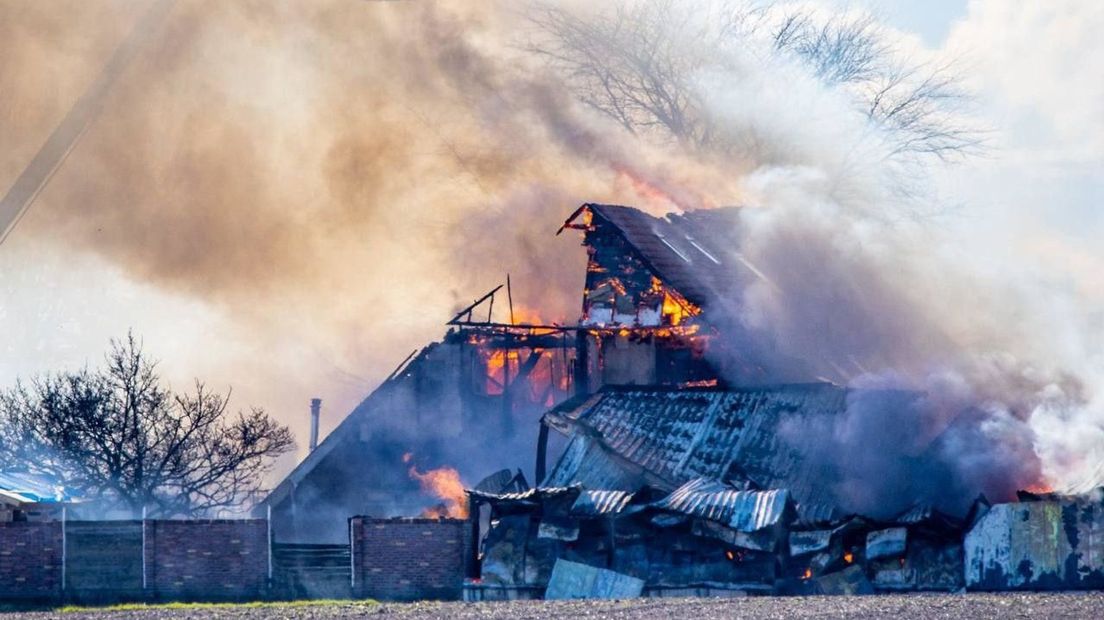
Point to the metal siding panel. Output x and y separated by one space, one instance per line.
745 511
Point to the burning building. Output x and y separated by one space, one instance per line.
666 451
487 382
396 453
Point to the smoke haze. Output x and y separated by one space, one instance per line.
346 173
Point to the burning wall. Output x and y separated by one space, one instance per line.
453 412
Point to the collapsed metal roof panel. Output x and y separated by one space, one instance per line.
592 503
745 511
926 514
680 435
531 494
586 463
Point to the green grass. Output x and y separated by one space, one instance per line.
200 606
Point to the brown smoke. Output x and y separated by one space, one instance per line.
265 156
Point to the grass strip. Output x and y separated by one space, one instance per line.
201 606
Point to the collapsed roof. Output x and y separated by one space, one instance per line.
625 438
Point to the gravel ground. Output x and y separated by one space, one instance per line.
951 606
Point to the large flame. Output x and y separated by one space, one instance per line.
443 483
675 308
524 315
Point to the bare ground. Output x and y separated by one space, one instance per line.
950 606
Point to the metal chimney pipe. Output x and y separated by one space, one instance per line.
316 409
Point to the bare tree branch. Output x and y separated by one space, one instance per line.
635 61
116 435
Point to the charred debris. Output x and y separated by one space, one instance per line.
689 491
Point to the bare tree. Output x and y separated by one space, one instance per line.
917 104
629 63
117 435
635 61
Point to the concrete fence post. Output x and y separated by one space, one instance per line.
64 554
271 541
352 558
145 578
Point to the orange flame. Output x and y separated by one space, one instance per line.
808 574
524 315
550 372
675 308
848 557
443 483
496 361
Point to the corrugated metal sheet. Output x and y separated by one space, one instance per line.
809 541
1035 545
687 434
531 494
597 503
30 488
916 514
586 463
887 543
572 580
745 511
496 482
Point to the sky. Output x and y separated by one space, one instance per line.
931 20
1038 73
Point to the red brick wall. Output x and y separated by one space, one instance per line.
207 559
406 559
30 560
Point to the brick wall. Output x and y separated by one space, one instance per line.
406 559
207 559
30 560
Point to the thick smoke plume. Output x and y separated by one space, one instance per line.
351 171
968 378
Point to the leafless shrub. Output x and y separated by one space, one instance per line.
116 435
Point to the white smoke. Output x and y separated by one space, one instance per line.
866 285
